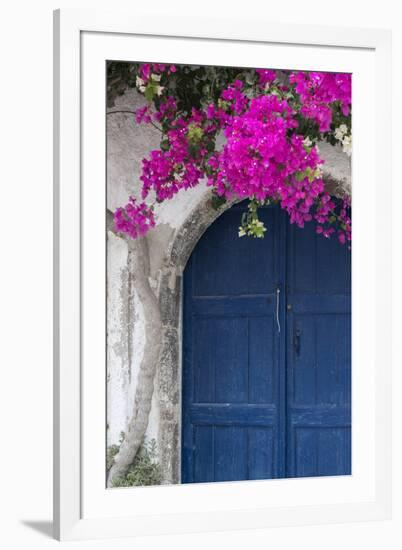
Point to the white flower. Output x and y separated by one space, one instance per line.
242 233
318 172
156 77
307 142
139 82
159 90
340 132
347 145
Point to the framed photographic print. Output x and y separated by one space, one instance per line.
222 343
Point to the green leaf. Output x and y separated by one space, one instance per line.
217 201
165 145
149 92
210 146
193 149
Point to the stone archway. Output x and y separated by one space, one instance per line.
170 300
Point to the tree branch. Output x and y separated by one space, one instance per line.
139 260
132 113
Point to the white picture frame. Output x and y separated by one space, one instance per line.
83 507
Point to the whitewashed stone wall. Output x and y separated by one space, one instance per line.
127 144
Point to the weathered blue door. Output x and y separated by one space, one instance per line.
266 359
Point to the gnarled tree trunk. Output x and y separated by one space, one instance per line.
139 258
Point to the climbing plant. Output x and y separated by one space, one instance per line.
250 133
144 469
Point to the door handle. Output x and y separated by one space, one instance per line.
296 341
278 294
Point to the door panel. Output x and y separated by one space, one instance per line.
231 354
226 453
226 265
266 385
220 372
230 453
318 355
261 453
319 451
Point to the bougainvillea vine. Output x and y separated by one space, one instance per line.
271 123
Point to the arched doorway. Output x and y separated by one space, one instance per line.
266 353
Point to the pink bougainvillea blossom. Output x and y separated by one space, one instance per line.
146 69
318 91
259 160
265 76
167 110
143 114
135 219
178 167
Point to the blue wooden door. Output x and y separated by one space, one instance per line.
318 354
266 355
